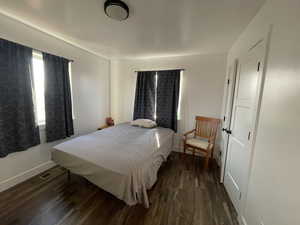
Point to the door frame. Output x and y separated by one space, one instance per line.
226 117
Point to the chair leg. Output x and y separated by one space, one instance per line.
206 163
69 175
184 151
212 152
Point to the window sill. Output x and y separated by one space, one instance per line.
42 125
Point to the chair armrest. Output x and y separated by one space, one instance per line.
212 140
189 132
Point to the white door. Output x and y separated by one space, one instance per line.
243 122
228 99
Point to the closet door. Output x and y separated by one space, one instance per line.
243 124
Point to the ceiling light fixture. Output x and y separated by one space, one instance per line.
116 9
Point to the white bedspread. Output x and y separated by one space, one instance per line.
123 160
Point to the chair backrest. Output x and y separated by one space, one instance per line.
206 127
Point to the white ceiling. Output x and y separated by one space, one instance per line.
154 28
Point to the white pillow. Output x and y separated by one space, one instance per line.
143 123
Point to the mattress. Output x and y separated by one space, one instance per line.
122 160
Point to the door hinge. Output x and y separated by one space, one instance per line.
224 118
240 197
228 81
249 135
258 66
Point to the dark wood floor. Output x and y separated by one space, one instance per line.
184 194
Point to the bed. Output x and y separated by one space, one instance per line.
123 160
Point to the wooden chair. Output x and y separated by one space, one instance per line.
203 137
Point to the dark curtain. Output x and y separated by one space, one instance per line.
18 128
168 86
144 105
58 104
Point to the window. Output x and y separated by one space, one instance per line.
180 96
39 89
179 101
39 86
71 87
155 96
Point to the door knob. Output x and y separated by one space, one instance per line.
227 131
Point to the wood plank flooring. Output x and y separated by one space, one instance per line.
185 194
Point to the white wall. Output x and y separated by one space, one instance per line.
90 79
273 193
202 85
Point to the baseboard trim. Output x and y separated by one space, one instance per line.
8 183
180 150
175 149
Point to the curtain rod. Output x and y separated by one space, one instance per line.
158 70
35 49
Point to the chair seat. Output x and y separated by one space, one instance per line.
198 143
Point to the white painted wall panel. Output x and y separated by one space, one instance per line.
90 79
202 86
273 193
